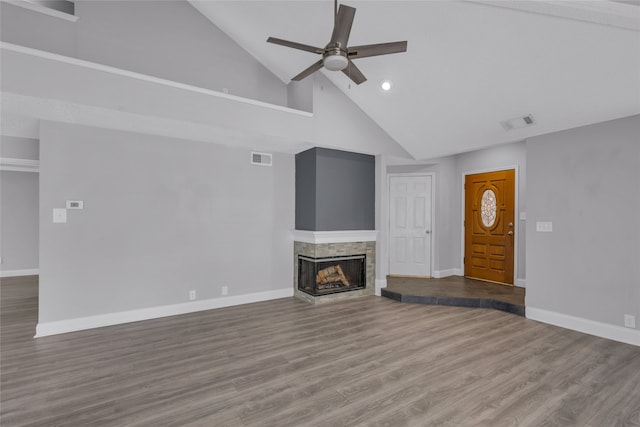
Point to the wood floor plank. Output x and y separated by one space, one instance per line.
364 362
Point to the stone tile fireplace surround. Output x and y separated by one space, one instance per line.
329 244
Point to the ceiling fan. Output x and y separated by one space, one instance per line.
336 55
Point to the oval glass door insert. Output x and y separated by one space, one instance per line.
488 208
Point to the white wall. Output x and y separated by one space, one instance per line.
586 181
162 217
166 39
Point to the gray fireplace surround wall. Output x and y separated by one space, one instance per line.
335 190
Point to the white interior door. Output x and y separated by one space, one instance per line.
410 225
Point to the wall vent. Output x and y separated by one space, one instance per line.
263 159
518 122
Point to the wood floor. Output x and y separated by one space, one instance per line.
363 362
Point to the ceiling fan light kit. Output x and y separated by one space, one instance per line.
335 62
336 55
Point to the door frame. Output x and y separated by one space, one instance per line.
516 215
388 212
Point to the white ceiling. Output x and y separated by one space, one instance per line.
469 64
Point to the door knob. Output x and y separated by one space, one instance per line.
510 233
428 231
510 224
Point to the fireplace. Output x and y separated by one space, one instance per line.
330 275
333 265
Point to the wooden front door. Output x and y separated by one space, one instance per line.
410 226
489 226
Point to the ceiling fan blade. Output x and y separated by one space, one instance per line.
295 45
354 73
342 28
377 49
312 69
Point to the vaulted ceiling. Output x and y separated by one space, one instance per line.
470 65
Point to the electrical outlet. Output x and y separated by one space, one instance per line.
630 321
192 295
225 290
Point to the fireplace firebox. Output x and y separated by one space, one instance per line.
323 276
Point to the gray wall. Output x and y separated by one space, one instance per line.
587 182
306 190
167 39
18 220
18 207
162 216
342 185
19 148
300 95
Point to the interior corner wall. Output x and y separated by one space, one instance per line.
586 182
161 217
166 39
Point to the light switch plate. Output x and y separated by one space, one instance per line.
544 226
59 215
523 216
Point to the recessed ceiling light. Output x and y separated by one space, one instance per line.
386 85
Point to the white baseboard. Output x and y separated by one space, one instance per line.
380 283
439 274
521 283
16 273
70 325
591 327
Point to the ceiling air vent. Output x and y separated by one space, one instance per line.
263 159
518 122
